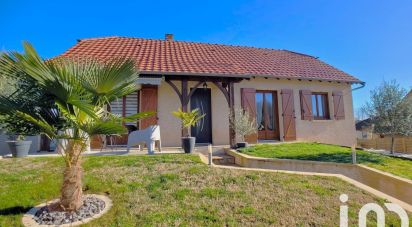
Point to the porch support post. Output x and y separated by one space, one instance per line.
185 101
232 133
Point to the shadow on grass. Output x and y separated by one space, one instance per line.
14 210
337 157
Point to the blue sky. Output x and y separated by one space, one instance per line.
371 40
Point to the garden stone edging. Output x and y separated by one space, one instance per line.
28 218
394 186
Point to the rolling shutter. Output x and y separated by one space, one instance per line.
148 102
288 113
338 107
306 105
131 105
122 107
249 105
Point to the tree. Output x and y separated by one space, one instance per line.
390 111
78 91
242 123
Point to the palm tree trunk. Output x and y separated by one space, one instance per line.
71 197
392 144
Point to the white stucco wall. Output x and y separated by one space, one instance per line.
340 132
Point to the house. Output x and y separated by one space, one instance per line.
364 129
292 96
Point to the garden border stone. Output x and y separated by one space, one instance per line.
28 218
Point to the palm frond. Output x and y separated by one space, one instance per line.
138 116
103 128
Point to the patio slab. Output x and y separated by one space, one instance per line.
120 150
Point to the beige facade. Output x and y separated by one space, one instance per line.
341 132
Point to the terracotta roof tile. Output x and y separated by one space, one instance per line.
161 56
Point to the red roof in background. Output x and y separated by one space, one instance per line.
190 58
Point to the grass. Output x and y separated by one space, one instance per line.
175 190
331 153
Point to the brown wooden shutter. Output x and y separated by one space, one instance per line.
338 107
288 113
148 102
249 105
306 104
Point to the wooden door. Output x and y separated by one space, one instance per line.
267 115
288 113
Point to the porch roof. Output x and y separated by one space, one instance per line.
168 57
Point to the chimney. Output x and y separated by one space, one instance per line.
169 37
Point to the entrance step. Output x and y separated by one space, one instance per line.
223 160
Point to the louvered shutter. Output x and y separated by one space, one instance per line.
306 105
124 106
148 102
249 105
116 107
338 107
131 105
288 113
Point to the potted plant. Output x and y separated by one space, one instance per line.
188 119
243 124
17 130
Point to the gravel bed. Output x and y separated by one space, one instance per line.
91 207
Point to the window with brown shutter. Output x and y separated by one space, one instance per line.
125 106
338 107
306 105
320 106
249 104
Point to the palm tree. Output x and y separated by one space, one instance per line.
80 90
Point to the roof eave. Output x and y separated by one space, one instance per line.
248 76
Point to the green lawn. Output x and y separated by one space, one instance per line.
174 190
331 153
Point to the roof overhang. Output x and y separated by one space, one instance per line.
246 76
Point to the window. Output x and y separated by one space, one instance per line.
320 107
125 106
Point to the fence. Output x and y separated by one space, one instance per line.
402 144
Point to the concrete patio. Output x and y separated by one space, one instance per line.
122 150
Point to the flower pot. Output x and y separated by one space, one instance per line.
188 144
19 148
242 144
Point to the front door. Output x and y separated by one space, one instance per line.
267 115
201 100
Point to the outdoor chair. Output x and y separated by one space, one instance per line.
149 136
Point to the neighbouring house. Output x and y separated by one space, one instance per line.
364 129
292 96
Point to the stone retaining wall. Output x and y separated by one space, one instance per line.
389 184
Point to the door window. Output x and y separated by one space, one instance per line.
266 117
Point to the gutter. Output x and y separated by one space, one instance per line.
362 85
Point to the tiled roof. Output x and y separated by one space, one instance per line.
190 58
